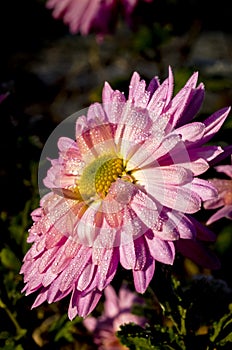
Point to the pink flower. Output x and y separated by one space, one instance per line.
224 197
123 192
117 311
91 15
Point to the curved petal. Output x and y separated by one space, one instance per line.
204 189
225 212
143 277
163 251
82 304
214 123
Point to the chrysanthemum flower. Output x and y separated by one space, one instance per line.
123 192
224 198
91 15
117 311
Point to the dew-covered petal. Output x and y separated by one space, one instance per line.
182 224
134 254
113 103
107 268
133 130
41 298
137 93
191 132
143 277
150 151
181 198
162 95
127 255
204 189
163 251
89 225
223 195
172 174
180 101
81 304
74 269
86 276
96 115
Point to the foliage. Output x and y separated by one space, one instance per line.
177 329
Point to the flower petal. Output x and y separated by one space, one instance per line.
225 212
82 304
143 277
160 250
226 169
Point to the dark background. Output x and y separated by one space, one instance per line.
50 74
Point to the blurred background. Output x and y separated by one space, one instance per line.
48 74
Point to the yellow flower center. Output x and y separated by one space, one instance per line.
98 176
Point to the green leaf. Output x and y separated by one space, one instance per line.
222 330
9 260
64 329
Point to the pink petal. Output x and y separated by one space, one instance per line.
150 151
41 298
133 255
226 169
86 277
83 304
191 132
75 268
180 198
113 103
225 212
107 265
182 224
143 277
204 189
127 255
66 144
153 85
160 250
193 105
137 93
207 152
214 123
181 100
172 174
162 95
105 271
111 303
88 226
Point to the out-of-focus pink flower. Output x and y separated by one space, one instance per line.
123 192
117 311
97 16
223 198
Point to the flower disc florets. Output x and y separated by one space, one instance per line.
98 176
122 190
